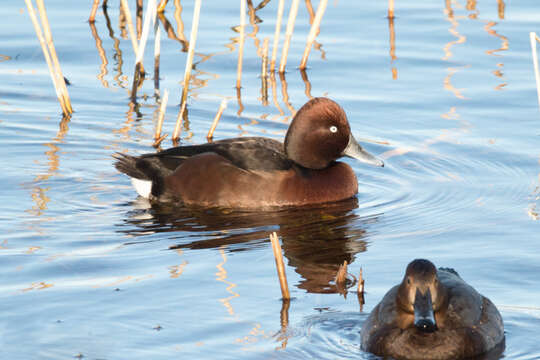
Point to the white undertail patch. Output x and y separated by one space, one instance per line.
143 187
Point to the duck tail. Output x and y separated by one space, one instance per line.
146 178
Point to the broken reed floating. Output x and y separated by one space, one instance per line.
276 35
390 9
241 43
92 17
313 32
222 108
288 35
189 66
276 248
49 52
157 135
150 16
534 38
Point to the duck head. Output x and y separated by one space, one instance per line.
320 133
422 294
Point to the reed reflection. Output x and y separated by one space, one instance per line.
102 55
306 83
170 30
393 56
118 53
39 193
495 52
315 240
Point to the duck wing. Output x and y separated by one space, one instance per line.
465 303
249 153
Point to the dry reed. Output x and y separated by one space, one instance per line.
138 75
241 43
313 32
161 5
264 73
288 35
534 38
49 52
189 65
360 282
92 17
131 28
276 247
390 9
157 50
341 276
276 35
157 135
222 108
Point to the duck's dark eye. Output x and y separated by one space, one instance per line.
333 129
409 281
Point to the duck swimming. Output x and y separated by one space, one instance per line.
432 314
257 172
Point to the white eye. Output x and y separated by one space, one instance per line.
333 129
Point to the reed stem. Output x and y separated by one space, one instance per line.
161 5
222 107
46 54
241 44
288 35
150 16
49 52
189 61
313 32
138 75
93 12
360 282
161 116
58 71
264 73
157 50
131 27
178 125
276 35
390 9
341 276
276 248
533 39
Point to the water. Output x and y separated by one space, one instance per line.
90 270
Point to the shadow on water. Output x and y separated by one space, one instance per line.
315 240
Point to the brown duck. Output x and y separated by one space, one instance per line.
432 314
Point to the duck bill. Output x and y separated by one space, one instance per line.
354 150
424 319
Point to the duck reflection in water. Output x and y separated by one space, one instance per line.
315 240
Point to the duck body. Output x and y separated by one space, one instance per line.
432 314
257 172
